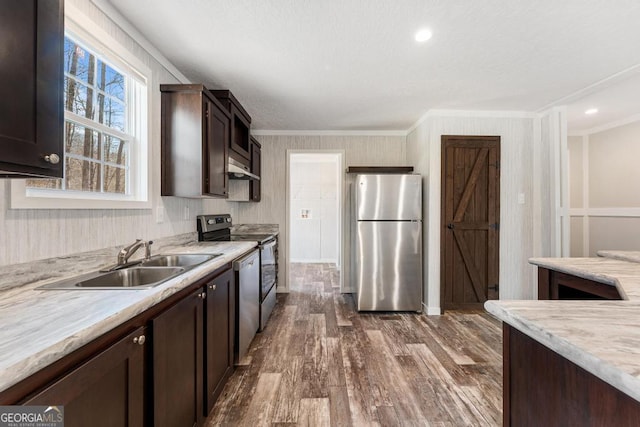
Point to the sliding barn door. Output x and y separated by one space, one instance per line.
470 220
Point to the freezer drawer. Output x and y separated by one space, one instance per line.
389 266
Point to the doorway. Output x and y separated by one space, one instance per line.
470 228
315 181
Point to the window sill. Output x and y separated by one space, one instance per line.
20 200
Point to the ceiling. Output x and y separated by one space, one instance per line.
354 64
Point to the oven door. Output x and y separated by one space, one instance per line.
268 265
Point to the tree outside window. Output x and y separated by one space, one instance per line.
96 132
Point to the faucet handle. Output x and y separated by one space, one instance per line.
147 249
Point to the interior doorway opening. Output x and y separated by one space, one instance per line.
315 181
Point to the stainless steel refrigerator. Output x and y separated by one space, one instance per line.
388 242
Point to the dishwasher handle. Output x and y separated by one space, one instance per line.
246 260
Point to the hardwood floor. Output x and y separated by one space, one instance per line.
321 363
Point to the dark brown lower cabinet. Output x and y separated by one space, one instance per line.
177 363
218 336
168 372
107 390
556 285
542 388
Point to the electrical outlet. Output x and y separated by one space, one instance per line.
186 216
521 199
159 214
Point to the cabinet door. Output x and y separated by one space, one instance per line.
31 87
177 364
219 332
217 143
256 169
240 133
107 390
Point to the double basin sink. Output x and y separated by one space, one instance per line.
142 275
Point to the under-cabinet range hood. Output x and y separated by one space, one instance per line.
239 171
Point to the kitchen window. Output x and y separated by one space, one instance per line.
105 130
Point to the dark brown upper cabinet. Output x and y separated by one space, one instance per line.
195 139
256 162
31 88
239 144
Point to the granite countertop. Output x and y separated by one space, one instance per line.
256 229
42 326
602 337
632 256
624 275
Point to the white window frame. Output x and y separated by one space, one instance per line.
139 99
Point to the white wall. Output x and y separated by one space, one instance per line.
516 220
314 218
605 190
27 235
363 150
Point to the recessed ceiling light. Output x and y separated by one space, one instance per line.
423 35
591 111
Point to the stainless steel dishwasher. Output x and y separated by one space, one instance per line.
247 302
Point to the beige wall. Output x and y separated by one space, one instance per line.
516 220
577 236
613 233
27 235
605 190
358 151
614 175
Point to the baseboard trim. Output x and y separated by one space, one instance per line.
432 311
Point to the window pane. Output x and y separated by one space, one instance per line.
82 141
55 184
78 98
111 112
110 81
114 179
78 62
82 175
116 150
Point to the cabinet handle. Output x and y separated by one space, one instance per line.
139 340
202 295
213 287
53 158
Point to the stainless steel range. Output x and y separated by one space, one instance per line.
217 228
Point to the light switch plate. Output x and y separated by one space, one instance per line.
186 214
521 199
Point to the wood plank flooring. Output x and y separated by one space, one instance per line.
321 363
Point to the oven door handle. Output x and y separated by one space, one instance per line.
268 244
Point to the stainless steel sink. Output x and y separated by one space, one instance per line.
129 278
178 260
136 277
141 275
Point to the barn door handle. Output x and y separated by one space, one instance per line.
494 287
450 226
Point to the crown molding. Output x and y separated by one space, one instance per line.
608 126
265 132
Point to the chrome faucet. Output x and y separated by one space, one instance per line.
127 251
